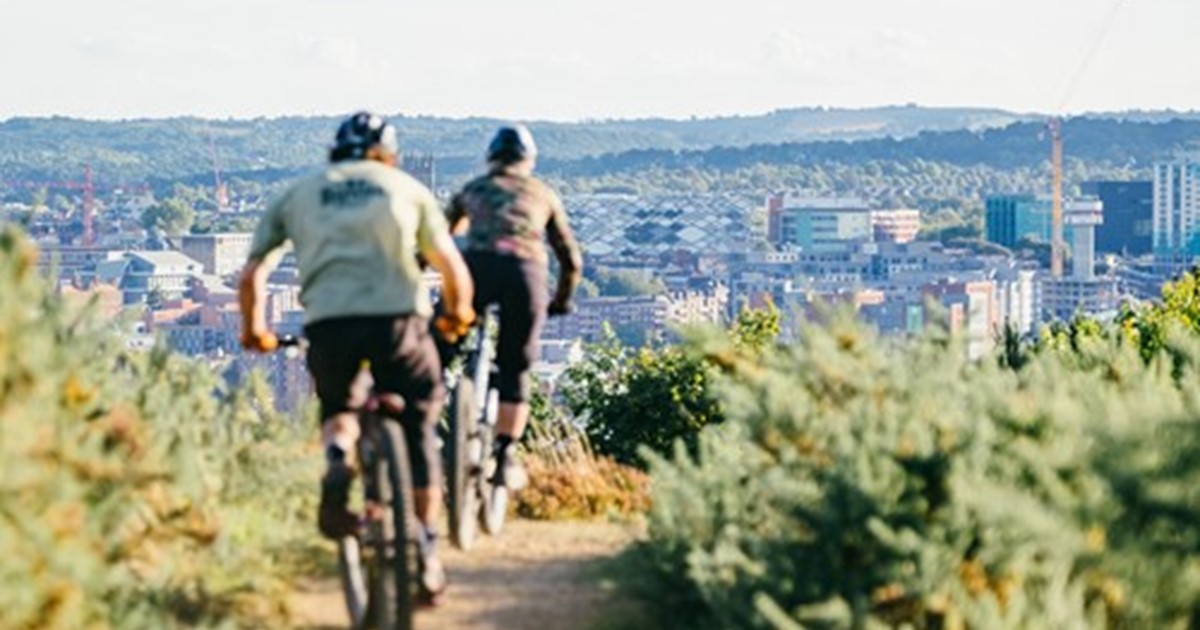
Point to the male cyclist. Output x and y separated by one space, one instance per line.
505 215
357 227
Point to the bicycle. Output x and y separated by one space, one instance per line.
379 569
474 403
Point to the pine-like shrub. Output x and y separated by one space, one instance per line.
134 491
861 483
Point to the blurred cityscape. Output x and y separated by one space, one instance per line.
657 262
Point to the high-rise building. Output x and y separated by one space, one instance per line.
818 223
1128 226
1009 219
1177 207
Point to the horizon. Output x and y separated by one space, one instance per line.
637 118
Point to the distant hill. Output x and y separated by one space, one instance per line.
1098 141
165 151
176 148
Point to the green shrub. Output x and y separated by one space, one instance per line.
652 397
134 491
861 483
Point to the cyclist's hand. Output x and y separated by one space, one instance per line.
454 325
560 306
264 341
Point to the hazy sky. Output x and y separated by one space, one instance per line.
571 59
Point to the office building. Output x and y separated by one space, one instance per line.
1128 227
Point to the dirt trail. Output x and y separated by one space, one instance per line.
536 576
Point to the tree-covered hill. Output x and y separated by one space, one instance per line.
910 154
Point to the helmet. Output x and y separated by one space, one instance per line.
511 144
361 132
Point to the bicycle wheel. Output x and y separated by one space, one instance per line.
354 578
395 552
461 495
496 505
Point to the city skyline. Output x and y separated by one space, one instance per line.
534 59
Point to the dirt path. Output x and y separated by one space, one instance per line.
536 576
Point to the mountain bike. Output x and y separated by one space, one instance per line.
474 402
379 567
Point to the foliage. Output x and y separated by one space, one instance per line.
858 484
130 495
568 481
653 396
172 217
622 282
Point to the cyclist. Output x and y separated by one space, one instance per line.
357 227
504 215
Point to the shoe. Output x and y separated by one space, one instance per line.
334 518
509 472
432 588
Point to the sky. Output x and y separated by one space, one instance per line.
573 60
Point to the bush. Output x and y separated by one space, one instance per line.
567 481
861 483
629 399
131 496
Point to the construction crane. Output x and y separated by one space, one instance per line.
88 187
1054 129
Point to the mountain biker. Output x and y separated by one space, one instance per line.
357 227
504 215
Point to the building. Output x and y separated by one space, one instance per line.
73 264
653 315
1128 227
1177 208
1010 219
1081 292
221 254
817 223
167 274
895 226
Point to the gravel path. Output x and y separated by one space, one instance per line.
536 576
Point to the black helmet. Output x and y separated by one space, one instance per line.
361 132
511 144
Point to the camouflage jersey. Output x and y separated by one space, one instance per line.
509 213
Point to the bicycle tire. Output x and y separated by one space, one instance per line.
355 580
395 551
462 502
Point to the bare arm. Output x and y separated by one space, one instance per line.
252 300
458 290
570 258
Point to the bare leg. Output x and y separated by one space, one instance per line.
342 431
512 419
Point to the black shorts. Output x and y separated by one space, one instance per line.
519 287
403 361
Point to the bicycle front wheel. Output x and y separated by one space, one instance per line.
393 600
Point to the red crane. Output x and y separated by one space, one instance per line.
88 187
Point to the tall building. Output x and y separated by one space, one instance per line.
1177 207
221 254
818 223
1082 291
1009 219
1128 226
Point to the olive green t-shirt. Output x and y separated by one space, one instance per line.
356 228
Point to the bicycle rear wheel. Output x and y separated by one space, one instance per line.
393 595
